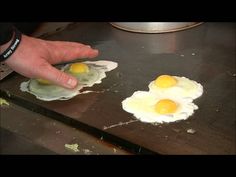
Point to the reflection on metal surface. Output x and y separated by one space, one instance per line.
119 124
49 28
159 43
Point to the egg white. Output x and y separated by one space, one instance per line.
142 105
49 92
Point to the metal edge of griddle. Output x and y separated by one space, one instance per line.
106 137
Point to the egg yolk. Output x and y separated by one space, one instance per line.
165 81
43 81
79 68
166 106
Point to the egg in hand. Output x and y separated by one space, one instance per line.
176 86
87 74
153 108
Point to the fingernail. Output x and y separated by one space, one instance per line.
93 53
72 83
95 50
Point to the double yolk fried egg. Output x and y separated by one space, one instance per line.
88 73
169 99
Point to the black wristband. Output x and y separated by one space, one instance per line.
13 46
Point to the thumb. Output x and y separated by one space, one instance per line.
57 77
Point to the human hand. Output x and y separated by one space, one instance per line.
33 59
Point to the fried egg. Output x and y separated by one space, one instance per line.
176 86
88 73
153 108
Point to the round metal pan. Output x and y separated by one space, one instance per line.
154 27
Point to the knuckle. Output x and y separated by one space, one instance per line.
61 77
42 67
